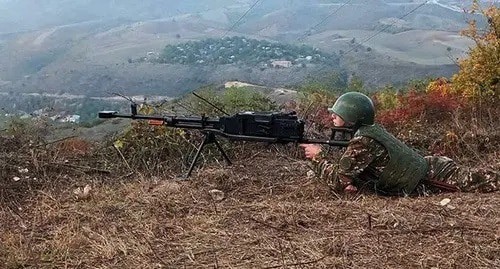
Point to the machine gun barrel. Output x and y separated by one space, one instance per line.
198 122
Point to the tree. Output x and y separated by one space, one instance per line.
479 73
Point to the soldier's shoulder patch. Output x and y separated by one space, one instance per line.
365 140
345 164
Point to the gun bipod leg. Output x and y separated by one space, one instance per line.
222 152
209 139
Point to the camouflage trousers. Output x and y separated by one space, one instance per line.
445 175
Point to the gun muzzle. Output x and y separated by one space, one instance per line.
107 114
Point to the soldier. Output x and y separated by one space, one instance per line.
376 160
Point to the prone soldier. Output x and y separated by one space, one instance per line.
378 161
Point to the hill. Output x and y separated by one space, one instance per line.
88 52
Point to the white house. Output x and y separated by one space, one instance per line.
284 64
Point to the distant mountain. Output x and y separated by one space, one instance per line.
24 15
84 46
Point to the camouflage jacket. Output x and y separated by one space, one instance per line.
362 163
365 159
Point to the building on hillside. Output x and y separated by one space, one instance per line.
281 64
71 118
64 117
42 112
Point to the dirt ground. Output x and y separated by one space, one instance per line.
261 212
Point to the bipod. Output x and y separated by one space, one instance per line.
209 139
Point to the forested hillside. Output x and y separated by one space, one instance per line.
243 51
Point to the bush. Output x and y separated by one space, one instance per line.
386 99
239 99
152 148
436 104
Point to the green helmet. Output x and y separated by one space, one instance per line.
355 107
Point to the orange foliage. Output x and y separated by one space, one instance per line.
437 104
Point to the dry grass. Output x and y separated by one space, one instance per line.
271 216
262 212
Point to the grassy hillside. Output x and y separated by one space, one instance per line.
77 203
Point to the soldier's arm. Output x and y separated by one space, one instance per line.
326 169
360 153
356 158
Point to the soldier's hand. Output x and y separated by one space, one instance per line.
311 150
350 189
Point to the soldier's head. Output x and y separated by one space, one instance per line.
353 109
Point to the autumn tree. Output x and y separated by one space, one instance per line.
479 73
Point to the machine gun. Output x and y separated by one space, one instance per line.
270 127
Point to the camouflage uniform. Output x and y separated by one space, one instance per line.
444 169
364 160
377 160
